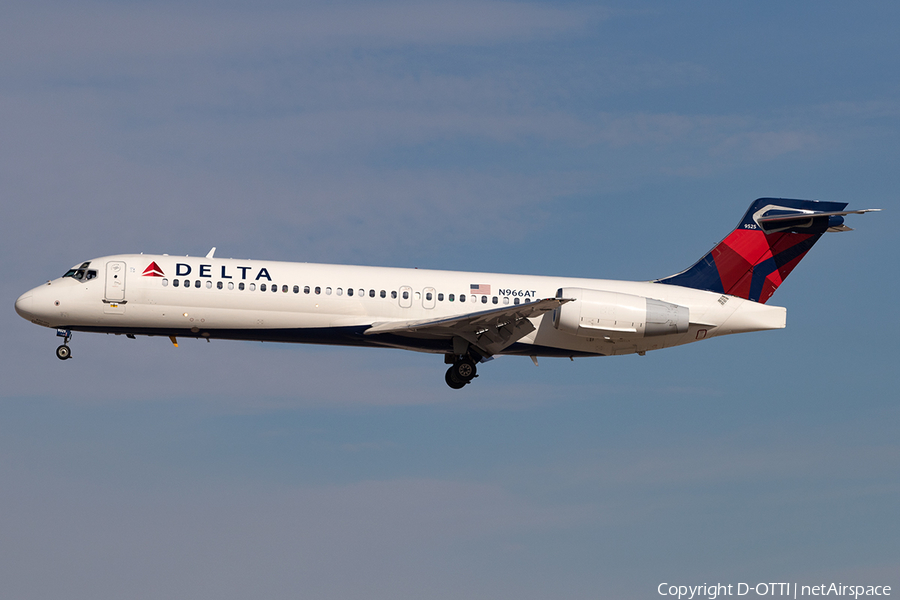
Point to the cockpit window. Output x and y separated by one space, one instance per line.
82 273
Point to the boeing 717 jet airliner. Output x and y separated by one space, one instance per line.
466 317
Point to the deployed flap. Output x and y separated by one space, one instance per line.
490 331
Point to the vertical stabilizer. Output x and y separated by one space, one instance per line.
755 258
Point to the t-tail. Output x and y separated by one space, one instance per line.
755 258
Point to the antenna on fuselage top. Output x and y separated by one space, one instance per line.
211 252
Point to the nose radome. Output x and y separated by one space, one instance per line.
24 305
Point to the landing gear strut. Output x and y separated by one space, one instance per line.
461 372
64 352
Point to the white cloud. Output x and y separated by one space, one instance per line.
743 456
377 539
767 145
111 31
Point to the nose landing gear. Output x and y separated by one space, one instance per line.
461 372
64 352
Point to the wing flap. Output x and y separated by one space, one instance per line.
490 331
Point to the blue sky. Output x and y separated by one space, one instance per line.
601 140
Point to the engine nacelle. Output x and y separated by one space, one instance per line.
596 313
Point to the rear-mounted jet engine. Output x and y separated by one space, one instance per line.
595 313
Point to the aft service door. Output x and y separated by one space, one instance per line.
115 281
428 298
405 296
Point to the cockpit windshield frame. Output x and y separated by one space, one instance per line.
82 273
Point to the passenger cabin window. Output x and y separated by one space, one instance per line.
240 286
428 296
318 290
231 285
515 300
406 295
296 289
197 284
219 285
451 297
383 294
484 299
440 297
209 285
371 293
284 289
394 294
262 287
349 291
495 300
328 291
174 283
305 289
462 297
252 287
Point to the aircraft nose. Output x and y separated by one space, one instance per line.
24 305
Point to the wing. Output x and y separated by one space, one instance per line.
489 331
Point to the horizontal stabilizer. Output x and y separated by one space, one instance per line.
777 218
813 213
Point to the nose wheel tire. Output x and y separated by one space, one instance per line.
63 352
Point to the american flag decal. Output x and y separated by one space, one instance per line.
479 288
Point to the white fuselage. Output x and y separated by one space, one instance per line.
335 304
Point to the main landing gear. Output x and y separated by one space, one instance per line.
461 372
64 352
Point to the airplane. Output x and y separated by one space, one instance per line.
467 317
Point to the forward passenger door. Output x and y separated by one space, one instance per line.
115 281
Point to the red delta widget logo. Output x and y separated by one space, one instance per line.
153 270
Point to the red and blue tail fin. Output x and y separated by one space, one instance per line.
755 258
